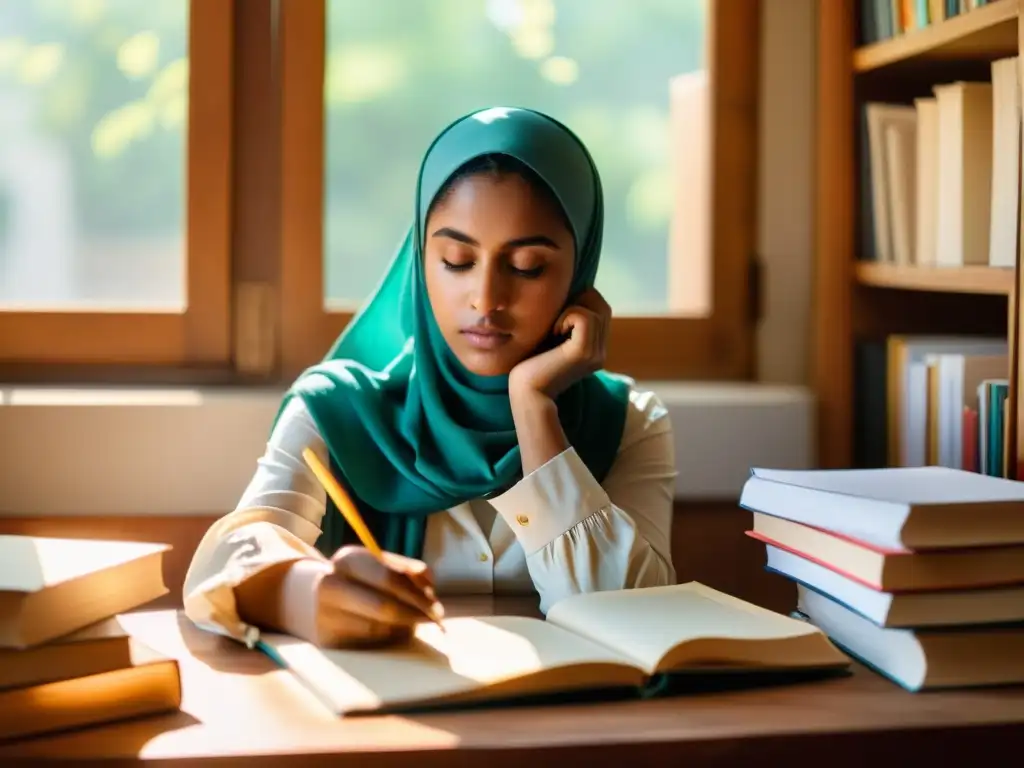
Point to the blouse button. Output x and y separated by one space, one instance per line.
523 520
483 557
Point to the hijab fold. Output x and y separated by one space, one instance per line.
409 430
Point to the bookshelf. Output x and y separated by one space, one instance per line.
985 280
988 31
864 298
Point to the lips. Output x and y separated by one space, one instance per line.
486 338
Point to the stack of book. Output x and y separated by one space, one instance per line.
918 572
65 660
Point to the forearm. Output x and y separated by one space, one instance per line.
538 429
260 597
280 598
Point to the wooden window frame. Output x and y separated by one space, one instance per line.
38 343
720 346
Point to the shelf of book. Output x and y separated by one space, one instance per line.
918 163
988 31
973 279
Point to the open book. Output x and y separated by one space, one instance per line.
601 640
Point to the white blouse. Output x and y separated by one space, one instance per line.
557 532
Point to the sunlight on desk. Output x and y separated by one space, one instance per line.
237 701
239 708
33 563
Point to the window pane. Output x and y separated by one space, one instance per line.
93 105
398 72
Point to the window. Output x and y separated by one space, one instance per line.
115 147
662 91
216 185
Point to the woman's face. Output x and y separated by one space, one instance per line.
498 263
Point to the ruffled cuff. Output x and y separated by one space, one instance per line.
551 500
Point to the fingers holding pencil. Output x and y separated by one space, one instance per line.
395 590
396 584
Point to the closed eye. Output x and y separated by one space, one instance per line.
457 267
529 273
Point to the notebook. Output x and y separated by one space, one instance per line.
602 640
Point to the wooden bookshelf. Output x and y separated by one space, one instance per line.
986 280
986 32
859 302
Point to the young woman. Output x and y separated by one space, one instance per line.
465 411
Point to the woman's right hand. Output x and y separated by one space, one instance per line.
355 600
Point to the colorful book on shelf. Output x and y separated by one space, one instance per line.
624 639
882 20
908 359
992 399
953 382
970 460
905 16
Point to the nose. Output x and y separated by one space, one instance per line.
490 291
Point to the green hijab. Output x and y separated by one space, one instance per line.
410 431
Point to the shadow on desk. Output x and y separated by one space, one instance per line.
675 686
125 737
218 652
706 683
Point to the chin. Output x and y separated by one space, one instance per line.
484 364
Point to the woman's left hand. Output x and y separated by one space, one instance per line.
586 323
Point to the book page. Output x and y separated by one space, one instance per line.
477 658
646 624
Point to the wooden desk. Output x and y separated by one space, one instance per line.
239 709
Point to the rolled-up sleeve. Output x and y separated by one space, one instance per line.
276 520
580 535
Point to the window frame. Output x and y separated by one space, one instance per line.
720 346
38 344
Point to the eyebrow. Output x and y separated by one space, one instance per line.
519 242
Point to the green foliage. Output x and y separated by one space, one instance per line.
107 80
399 71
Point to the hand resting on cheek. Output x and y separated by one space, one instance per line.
584 326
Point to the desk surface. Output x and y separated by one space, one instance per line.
240 709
